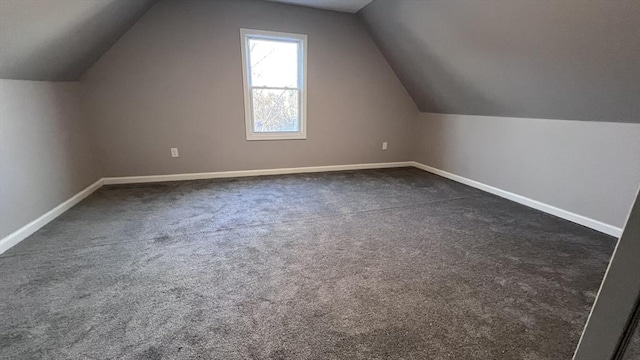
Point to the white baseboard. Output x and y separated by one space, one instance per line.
12 239
567 215
15 237
245 173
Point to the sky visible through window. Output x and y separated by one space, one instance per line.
274 85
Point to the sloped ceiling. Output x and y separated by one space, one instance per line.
350 6
554 59
58 40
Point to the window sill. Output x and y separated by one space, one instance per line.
276 136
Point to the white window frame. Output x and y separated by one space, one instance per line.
245 35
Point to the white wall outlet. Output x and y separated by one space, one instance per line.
384 145
174 152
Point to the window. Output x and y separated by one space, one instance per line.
274 76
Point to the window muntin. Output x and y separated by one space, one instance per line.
274 67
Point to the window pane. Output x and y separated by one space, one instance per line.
275 110
273 63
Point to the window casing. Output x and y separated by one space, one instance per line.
274 68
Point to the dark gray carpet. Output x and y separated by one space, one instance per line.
376 264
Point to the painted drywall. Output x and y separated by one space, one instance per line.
60 40
617 299
632 351
175 80
45 150
585 167
553 59
351 6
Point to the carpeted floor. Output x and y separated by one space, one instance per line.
375 264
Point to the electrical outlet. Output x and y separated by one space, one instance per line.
384 145
174 152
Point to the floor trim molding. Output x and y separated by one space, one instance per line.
246 173
549 209
15 237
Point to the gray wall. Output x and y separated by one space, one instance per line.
617 299
589 168
45 151
554 59
632 352
175 80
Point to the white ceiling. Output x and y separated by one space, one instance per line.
350 6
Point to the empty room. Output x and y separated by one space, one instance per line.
320 179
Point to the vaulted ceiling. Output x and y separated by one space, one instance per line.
351 6
554 59
58 40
